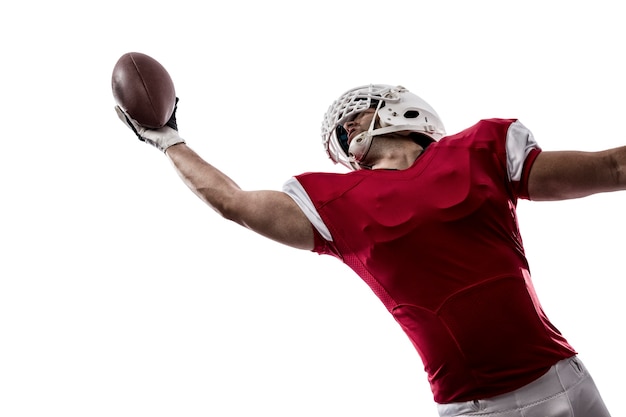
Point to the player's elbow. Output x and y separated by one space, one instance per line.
230 212
616 166
223 203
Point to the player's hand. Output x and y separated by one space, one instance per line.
161 138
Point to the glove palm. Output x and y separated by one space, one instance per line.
161 138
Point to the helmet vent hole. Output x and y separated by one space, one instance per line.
411 114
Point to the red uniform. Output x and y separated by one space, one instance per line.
440 246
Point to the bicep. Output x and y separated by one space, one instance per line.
274 215
570 174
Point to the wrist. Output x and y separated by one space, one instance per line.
169 142
175 147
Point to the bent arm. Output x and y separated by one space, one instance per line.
569 174
272 214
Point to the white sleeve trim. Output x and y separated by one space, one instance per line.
295 190
519 142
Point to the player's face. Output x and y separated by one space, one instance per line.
359 124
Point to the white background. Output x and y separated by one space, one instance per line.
121 294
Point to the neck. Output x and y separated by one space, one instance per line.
393 153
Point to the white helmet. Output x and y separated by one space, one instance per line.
397 110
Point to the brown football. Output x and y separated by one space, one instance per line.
144 89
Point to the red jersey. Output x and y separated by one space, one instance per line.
439 245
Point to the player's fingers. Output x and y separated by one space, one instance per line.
128 121
124 117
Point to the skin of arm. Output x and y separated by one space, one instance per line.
565 175
272 214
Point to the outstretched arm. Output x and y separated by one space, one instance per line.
569 174
272 214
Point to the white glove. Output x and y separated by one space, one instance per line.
161 138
